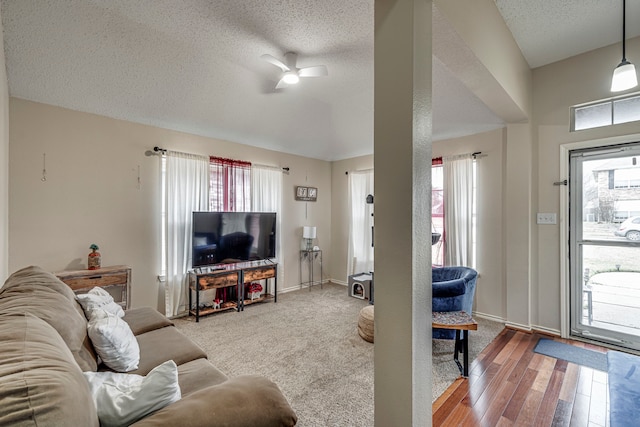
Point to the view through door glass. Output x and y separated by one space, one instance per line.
605 244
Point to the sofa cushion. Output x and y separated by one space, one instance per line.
33 290
40 383
113 340
245 401
164 344
145 319
198 374
122 399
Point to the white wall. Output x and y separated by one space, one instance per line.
91 194
4 166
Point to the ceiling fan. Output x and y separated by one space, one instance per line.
290 73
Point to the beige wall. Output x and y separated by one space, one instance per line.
91 194
491 294
340 213
557 87
483 54
4 166
491 291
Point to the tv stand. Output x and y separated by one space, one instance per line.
232 278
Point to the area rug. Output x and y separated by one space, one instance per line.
308 344
573 354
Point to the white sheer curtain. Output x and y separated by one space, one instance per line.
186 190
458 209
266 196
360 230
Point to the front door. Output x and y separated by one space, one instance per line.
605 244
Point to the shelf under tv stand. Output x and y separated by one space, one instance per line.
233 277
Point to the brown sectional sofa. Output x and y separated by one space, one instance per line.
45 349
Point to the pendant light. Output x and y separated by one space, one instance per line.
624 76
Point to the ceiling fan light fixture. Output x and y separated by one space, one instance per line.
290 78
624 75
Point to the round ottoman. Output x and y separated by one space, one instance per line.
365 323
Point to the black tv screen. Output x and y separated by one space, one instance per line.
227 237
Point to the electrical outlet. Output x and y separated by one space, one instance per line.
546 218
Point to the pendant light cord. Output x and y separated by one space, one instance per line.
624 24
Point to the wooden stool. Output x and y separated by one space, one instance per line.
365 323
460 321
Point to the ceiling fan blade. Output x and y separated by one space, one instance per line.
316 71
272 60
281 84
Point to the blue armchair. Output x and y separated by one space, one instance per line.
453 290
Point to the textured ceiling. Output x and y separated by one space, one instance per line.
550 30
194 65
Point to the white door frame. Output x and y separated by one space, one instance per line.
565 301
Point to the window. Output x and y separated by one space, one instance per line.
229 185
437 211
606 113
626 178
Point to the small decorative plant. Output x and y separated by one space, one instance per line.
93 261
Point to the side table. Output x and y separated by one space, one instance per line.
311 256
460 321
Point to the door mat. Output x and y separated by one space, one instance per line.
573 354
624 388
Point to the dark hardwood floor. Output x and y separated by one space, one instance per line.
510 385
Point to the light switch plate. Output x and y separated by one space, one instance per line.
546 218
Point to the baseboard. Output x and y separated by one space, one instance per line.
518 326
298 287
545 331
488 317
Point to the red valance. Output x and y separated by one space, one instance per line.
229 162
436 162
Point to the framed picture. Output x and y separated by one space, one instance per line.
312 193
301 193
306 194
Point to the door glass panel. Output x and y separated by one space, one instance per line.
605 245
611 289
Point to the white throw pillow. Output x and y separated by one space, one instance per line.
114 341
99 298
122 399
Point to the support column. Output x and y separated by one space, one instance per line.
402 171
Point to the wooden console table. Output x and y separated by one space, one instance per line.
460 321
115 279
231 277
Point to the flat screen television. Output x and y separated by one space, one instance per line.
227 237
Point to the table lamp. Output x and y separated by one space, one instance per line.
308 234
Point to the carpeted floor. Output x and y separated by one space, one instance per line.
308 344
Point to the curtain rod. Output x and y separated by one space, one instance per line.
163 151
475 155
285 169
359 171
